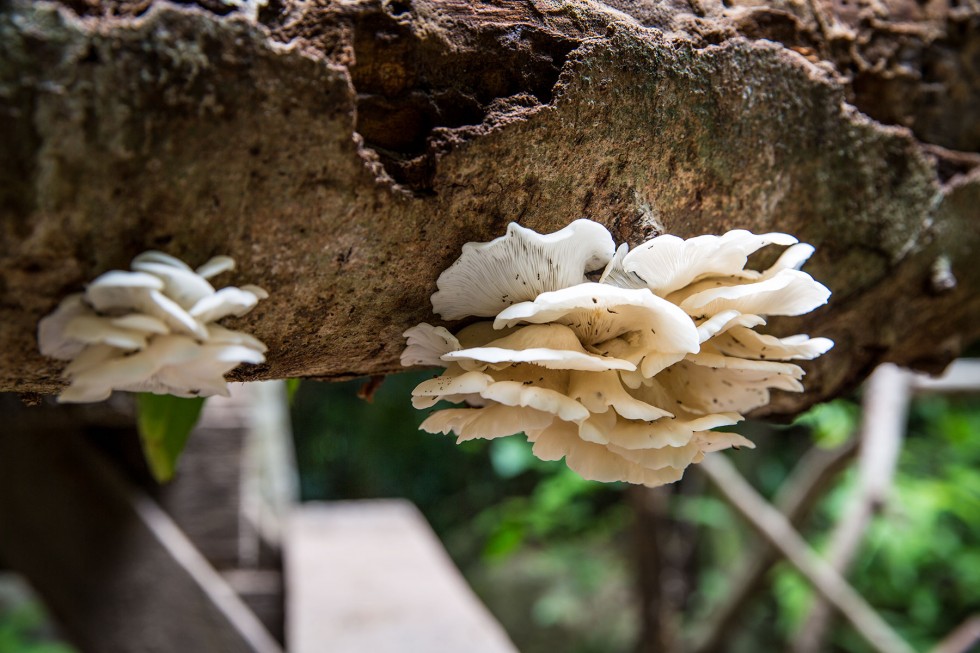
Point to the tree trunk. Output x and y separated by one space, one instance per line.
343 152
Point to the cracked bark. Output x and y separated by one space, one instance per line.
343 153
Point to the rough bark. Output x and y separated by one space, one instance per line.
343 152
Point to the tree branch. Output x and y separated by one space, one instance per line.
343 153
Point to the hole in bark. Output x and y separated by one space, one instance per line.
410 89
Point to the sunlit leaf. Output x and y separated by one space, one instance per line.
164 424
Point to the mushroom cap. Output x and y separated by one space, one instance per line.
599 312
156 256
143 323
600 391
216 266
518 266
51 337
218 334
668 263
184 286
225 302
595 461
486 423
788 292
553 346
665 432
427 344
746 343
117 289
93 329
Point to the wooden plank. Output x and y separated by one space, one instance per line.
116 572
372 576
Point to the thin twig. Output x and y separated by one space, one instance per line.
962 638
774 526
806 483
885 410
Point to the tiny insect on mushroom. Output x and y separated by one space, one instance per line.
151 329
624 377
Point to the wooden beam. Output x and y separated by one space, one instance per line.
372 576
113 568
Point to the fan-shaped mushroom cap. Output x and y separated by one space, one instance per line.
668 263
51 337
724 321
427 344
219 335
788 292
486 423
600 391
154 256
216 266
717 440
225 302
599 312
92 329
117 289
595 461
258 291
143 323
184 286
450 386
519 266
704 390
665 432
746 343
513 393
553 346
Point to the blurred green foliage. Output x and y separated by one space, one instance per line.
549 551
24 629
533 537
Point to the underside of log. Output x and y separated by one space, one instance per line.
342 152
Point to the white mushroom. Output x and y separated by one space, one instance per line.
598 312
519 266
623 378
788 292
486 423
225 302
51 337
216 266
427 345
181 285
668 263
151 330
553 346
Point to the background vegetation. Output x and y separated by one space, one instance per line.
554 556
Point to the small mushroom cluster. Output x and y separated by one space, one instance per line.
152 329
623 377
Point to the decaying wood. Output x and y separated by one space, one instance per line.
343 152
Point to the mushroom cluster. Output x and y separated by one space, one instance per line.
623 377
152 329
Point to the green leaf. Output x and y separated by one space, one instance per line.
164 423
292 385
